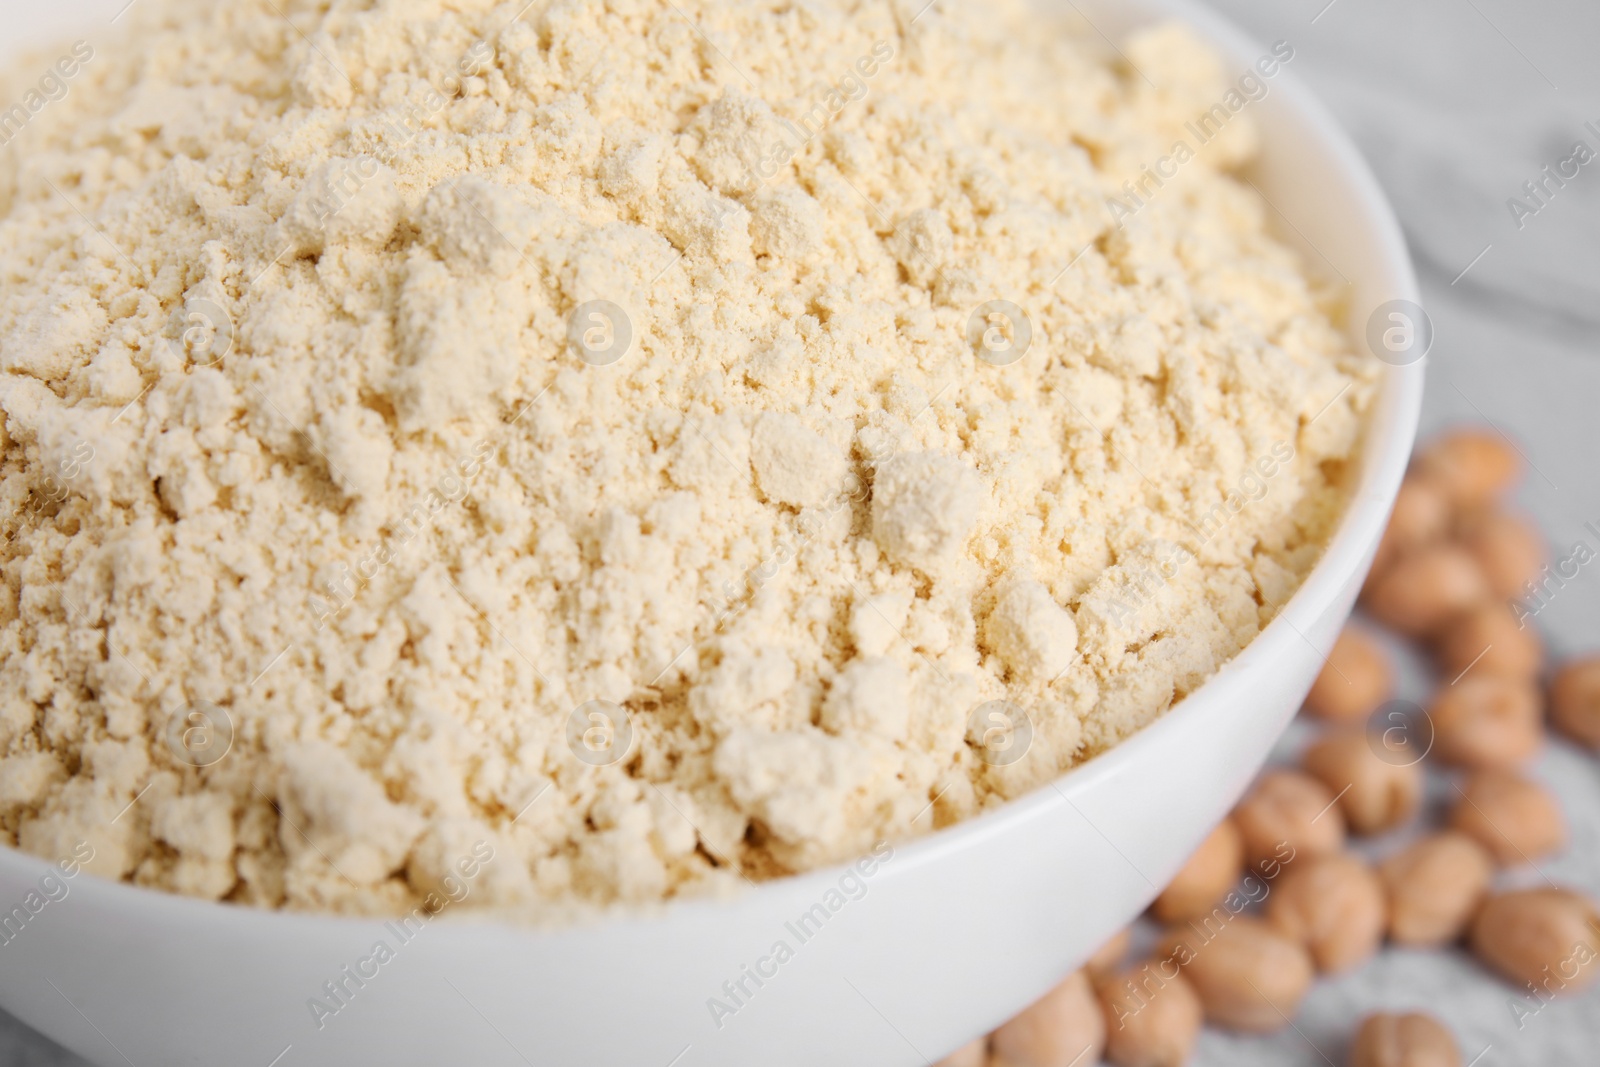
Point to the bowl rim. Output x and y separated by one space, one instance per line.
1385 453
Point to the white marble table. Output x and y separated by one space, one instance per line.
1457 103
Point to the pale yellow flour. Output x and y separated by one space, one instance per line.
406 400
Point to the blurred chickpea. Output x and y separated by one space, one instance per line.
1487 720
1109 956
1206 878
1286 815
972 1054
1060 1028
1421 515
1374 794
1433 887
1541 937
1488 638
1510 550
1355 680
1334 906
1471 465
1419 593
1517 820
1249 976
1575 700
1153 1015
1409 1040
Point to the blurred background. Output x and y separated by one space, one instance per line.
1456 103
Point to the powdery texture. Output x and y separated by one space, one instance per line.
350 481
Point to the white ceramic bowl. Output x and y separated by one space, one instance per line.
955 933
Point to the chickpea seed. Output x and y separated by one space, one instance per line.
1575 701
1489 639
1409 1040
1109 956
1472 466
1288 814
1421 515
1487 720
1423 591
1545 938
1248 975
1355 680
1334 905
1205 878
1510 550
1153 1015
1517 820
1433 887
1062 1027
1374 794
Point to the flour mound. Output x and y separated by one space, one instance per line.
575 435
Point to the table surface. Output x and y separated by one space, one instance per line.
1457 103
